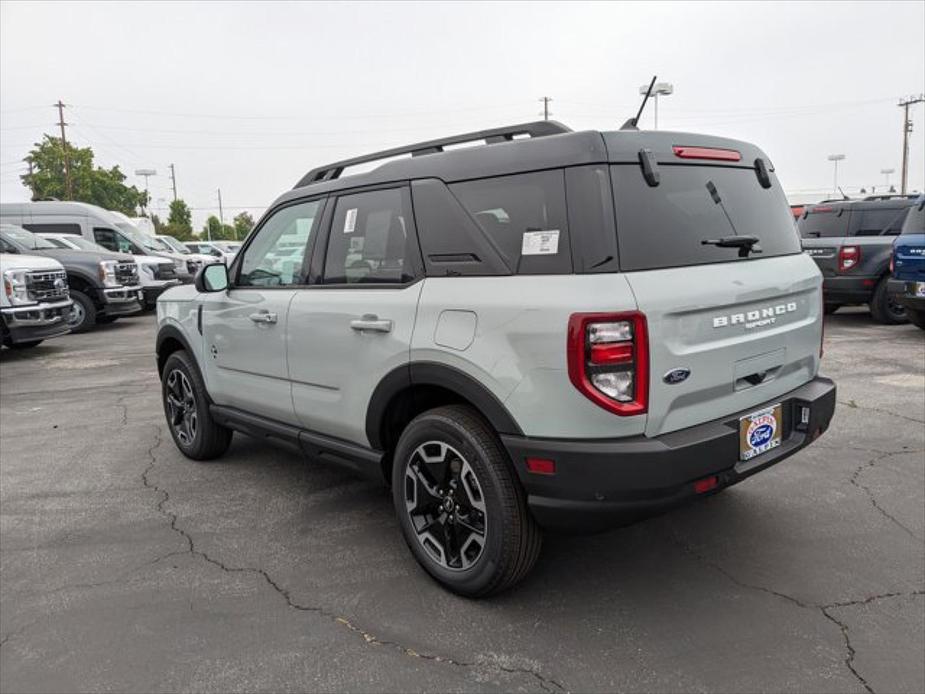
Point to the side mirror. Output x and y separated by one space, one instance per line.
211 278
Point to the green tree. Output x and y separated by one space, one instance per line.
180 215
89 183
213 229
243 223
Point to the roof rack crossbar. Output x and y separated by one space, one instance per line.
540 128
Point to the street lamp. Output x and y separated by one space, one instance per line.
836 158
660 88
887 172
147 173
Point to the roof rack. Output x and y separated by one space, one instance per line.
893 196
540 128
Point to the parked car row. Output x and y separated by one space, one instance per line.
100 266
870 251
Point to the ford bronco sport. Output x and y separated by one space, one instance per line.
556 330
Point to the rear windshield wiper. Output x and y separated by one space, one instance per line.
745 244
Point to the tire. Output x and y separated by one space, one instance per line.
25 345
454 459
829 309
884 309
82 316
917 318
186 408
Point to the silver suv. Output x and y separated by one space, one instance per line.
558 330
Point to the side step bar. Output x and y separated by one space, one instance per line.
358 459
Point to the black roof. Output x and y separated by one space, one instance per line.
513 149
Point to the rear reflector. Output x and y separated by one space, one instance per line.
541 466
706 484
706 153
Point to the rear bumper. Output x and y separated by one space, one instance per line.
599 484
904 293
39 322
848 290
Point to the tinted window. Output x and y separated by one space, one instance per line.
371 239
53 228
882 221
915 221
277 255
664 226
825 223
524 217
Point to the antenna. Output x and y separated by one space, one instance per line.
632 123
843 196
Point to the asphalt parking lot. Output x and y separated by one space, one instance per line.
126 567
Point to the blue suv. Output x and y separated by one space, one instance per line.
907 285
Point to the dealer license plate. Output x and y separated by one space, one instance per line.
760 431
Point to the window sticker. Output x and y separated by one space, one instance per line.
350 221
540 242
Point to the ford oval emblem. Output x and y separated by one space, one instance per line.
676 376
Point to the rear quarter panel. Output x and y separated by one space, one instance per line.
518 344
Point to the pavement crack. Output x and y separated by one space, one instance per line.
547 684
855 406
870 494
851 653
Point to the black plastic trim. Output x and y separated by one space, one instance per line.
169 331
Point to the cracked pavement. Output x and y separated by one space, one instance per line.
126 567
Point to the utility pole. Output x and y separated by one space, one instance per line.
907 129
67 164
221 217
546 100
173 180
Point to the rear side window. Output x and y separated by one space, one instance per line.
880 222
523 217
53 228
664 226
915 221
372 239
827 222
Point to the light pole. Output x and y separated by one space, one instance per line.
660 88
887 172
147 173
835 158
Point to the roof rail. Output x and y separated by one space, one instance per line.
540 128
893 196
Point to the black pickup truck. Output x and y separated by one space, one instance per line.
851 242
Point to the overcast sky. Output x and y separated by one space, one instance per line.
247 97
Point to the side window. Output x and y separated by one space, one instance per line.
114 241
372 239
524 216
277 255
53 228
7 248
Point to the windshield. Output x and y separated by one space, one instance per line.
173 244
85 244
18 236
139 239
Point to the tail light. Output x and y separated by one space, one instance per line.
848 257
706 153
892 262
608 360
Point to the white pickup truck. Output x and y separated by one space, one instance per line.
35 301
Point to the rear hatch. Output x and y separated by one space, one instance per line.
746 328
823 229
909 247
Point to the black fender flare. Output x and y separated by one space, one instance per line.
444 376
173 333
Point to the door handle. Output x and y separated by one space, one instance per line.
263 317
372 323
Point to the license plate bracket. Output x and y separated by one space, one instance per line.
760 431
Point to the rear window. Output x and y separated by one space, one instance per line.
915 221
524 218
824 222
886 221
664 226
